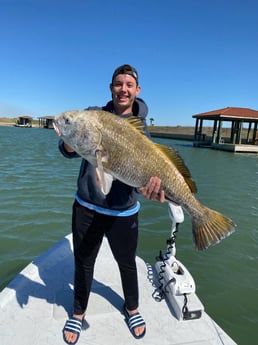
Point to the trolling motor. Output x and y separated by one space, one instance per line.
176 283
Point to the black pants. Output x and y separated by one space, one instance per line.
89 227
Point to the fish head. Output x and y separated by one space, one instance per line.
80 130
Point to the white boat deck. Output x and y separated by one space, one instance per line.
36 304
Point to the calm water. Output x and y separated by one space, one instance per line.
36 193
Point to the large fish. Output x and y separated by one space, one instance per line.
118 148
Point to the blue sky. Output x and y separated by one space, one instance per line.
192 56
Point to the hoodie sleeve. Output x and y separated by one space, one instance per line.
64 152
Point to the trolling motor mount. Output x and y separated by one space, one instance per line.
176 283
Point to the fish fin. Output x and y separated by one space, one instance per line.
211 229
178 161
104 180
136 122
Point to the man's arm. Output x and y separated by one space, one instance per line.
66 150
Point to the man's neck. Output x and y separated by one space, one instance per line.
123 111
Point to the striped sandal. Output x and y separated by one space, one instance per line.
133 321
73 325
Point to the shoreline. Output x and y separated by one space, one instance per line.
154 130
10 122
164 132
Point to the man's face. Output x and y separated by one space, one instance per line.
124 90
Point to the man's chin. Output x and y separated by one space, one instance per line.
123 101
123 104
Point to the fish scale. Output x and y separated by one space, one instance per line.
117 146
136 173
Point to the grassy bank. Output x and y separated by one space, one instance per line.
6 121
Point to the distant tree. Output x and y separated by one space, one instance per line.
152 121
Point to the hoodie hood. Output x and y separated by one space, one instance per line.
139 108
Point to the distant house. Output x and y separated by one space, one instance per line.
243 133
24 121
46 121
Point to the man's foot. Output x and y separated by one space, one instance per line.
135 323
72 329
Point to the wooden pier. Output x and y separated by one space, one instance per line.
46 122
24 121
228 147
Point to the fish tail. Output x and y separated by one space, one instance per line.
211 228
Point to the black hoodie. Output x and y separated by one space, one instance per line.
121 196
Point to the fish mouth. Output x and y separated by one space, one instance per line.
57 130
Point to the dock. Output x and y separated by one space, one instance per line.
242 124
236 148
205 140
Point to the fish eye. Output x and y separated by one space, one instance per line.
67 121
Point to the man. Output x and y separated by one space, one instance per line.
114 215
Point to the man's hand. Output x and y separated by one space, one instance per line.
152 190
68 148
